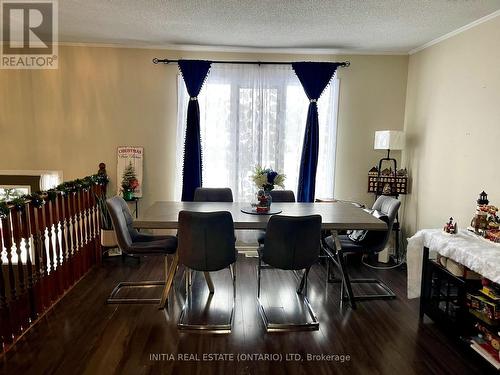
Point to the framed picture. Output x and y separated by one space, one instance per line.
130 164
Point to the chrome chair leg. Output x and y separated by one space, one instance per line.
303 281
164 294
170 274
113 299
209 281
306 278
259 268
210 328
347 283
285 327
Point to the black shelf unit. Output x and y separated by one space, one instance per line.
443 299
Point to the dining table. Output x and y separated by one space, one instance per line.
335 215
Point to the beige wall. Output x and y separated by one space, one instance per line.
453 127
72 118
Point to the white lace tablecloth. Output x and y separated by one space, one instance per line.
476 253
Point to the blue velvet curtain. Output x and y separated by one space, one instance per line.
314 77
194 73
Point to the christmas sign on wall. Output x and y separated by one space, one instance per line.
129 171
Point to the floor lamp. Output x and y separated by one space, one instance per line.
388 140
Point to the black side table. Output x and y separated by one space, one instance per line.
135 201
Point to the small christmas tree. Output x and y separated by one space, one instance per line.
129 178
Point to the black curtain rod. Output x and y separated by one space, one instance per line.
156 60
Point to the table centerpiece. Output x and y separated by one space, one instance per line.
266 179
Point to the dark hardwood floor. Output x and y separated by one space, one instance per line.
83 335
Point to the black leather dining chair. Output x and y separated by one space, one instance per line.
213 195
277 196
282 196
370 242
206 244
202 194
292 243
132 242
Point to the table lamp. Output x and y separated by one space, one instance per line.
388 140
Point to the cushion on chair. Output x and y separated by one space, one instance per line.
367 241
347 245
360 234
131 241
163 246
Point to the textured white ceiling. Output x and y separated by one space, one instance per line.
363 25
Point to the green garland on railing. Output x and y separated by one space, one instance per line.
37 199
82 184
19 202
4 210
52 195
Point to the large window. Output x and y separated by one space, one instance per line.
253 115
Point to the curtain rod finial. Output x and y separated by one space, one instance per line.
155 60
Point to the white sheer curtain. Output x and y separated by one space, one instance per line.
251 115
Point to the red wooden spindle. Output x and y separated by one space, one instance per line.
91 254
26 235
37 250
5 323
22 291
72 231
57 245
81 242
65 248
44 263
13 305
76 228
47 213
95 224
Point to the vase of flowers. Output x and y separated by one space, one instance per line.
129 182
266 179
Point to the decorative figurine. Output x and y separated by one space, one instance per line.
480 220
483 199
402 172
386 172
387 190
266 179
264 204
450 227
102 170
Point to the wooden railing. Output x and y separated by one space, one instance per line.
48 241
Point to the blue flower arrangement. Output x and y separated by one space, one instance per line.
266 178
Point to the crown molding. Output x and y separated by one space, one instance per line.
274 50
455 32
262 50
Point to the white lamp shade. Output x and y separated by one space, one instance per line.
389 140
